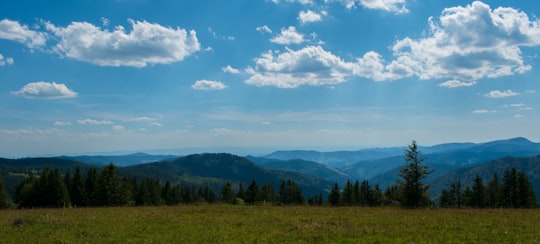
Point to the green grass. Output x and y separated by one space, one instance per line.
268 224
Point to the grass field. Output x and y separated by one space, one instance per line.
264 224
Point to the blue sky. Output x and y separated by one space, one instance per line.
255 76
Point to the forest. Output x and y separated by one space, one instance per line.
106 187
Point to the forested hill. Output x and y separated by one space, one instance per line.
223 167
529 165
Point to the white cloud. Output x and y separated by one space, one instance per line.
146 43
62 123
4 61
313 65
501 94
456 83
94 122
519 116
229 69
304 2
45 90
155 124
263 29
141 119
308 17
470 43
14 31
208 85
288 36
118 128
395 6
484 111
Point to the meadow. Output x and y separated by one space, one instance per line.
268 224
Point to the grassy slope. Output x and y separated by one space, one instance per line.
239 224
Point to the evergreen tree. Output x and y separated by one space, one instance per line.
290 193
377 196
335 195
252 193
414 192
78 194
348 193
25 191
227 194
366 194
478 193
527 197
268 194
241 192
357 199
510 189
456 195
493 192
91 186
446 201
5 199
109 187
391 195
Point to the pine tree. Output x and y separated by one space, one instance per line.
527 197
252 193
347 195
227 194
5 199
510 189
478 193
109 187
414 192
91 186
335 195
366 194
78 194
493 192
268 194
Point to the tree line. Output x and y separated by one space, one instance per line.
515 191
107 188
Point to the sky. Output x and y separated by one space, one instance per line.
109 76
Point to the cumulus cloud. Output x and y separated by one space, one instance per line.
470 43
501 94
208 85
263 29
229 69
94 122
456 83
4 61
309 16
45 90
14 31
288 36
313 65
146 43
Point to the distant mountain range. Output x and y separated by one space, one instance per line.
314 171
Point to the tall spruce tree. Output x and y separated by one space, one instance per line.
414 192
227 194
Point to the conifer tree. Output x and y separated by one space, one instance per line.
252 193
227 194
414 192
5 199
268 194
478 193
335 195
